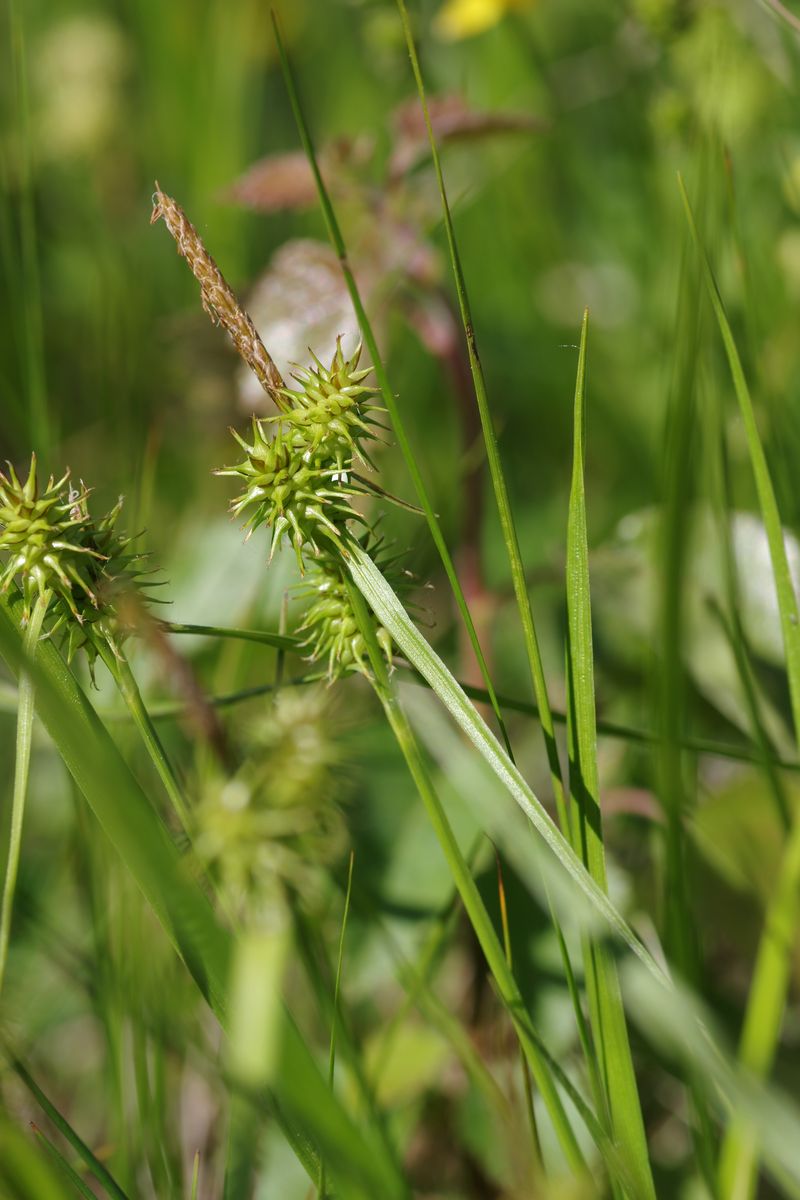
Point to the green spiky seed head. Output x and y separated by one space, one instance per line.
116 573
297 495
42 541
334 638
330 413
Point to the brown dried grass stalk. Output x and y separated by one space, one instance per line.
218 299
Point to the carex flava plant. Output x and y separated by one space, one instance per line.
300 484
249 891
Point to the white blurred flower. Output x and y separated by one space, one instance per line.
300 301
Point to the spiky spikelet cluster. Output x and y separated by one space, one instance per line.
55 551
299 495
333 635
298 467
272 829
43 540
299 483
119 582
330 414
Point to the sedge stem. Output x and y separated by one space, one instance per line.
123 677
25 709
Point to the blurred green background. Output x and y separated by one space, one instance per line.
564 124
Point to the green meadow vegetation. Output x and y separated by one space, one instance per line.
399 624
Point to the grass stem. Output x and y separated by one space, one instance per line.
336 990
123 676
25 711
466 886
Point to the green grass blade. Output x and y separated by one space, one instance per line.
526 1074
462 877
23 1173
416 976
641 737
280 641
609 729
63 1166
29 286
389 610
509 530
22 760
389 399
101 1173
123 676
313 949
336 990
677 1025
308 1112
257 973
420 994
767 998
607 1017
679 931
164 710
787 600
674 776
502 499
734 634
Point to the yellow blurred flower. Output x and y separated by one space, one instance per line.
464 18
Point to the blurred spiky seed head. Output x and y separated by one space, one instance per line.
218 299
330 412
294 739
43 542
297 495
276 825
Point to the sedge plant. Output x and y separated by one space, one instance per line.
265 833
298 478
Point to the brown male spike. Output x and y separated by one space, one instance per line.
218 299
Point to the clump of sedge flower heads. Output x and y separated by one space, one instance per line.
298 473
60 557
